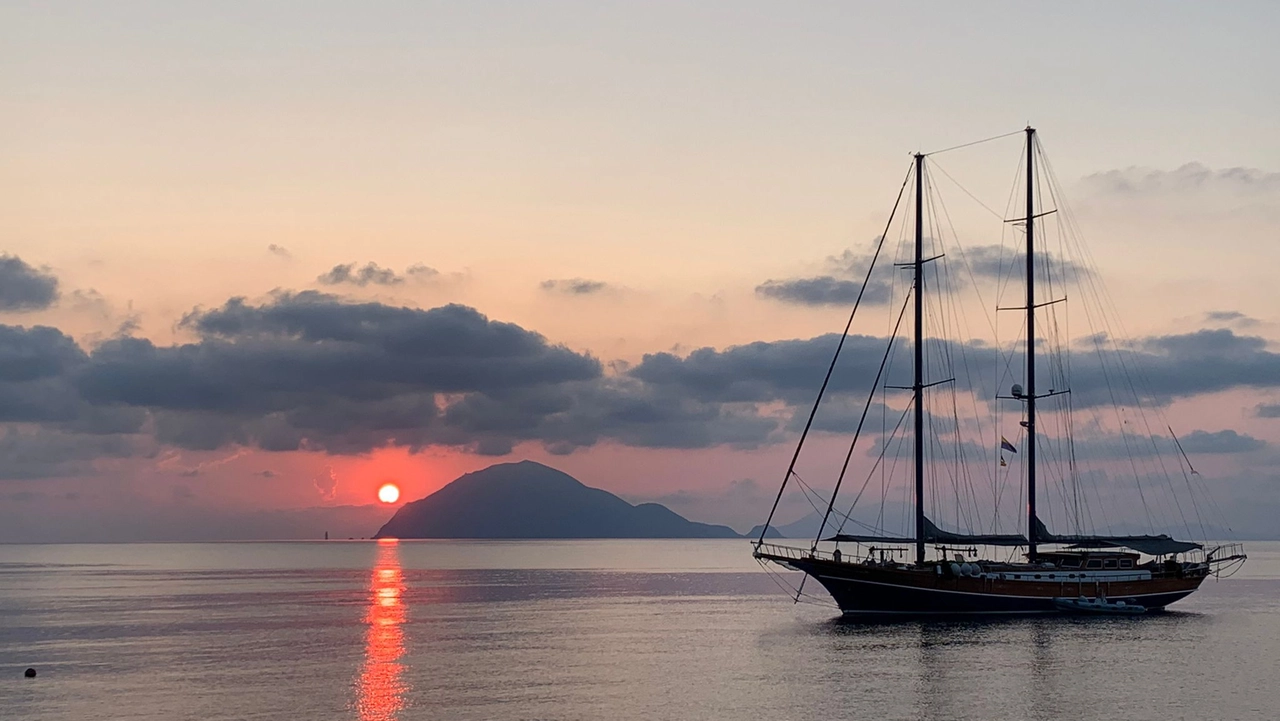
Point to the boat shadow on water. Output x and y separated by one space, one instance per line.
848 625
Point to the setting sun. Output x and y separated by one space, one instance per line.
389 493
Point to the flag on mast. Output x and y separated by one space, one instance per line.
1005 445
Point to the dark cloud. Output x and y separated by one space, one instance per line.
1231 317
823 290
1189 177
1151 371
418 271
787 370
370 273
312 371
307 370
36 367
846 272
24 288
1224 316
374 274
49 453
842 413
28 354
621 410
1161 368
574 286
839 285
279 251
1220 442
997 262
1267 410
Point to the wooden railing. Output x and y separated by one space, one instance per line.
790 552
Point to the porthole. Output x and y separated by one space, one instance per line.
1037 575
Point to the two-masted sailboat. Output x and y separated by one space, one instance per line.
1089 570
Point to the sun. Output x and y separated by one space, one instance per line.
389 493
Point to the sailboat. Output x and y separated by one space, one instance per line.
1027 569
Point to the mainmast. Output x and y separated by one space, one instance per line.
918 381
1031 348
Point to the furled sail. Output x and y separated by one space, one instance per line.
1153 545
933 534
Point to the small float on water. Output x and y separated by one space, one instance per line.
1098 606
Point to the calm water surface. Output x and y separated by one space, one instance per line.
578 630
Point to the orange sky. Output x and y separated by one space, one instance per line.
161 159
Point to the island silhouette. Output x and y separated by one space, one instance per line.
531 500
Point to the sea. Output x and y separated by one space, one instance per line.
638 630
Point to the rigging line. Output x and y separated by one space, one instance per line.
1007 274
946 315
839 346
960 321
878 527
809 493
965 190
1140 374
848 517
800 595
975 142
1069 219
1107 313
1187 479
857 432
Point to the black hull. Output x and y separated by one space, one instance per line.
857 597
879 591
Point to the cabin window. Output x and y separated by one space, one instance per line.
1071 563
1126 563
1017 577
1071 575
1111 563
1037 575
1094 563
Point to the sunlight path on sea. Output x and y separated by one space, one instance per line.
380 688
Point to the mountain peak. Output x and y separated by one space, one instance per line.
527 499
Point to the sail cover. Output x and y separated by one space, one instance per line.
1152 545
933 534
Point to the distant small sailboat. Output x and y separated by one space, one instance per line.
1070 573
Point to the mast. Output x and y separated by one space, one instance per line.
1031 349
918 382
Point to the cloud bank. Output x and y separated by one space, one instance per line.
313 371
24 288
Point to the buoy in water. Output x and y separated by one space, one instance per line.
29 673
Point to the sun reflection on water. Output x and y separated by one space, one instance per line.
380 686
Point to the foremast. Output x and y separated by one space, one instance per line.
1031 348
917 385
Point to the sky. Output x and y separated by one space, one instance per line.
261 257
